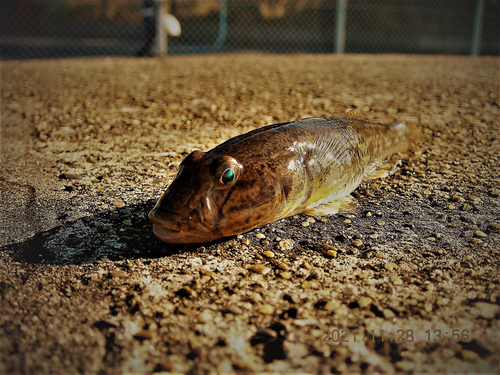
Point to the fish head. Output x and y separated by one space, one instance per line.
215 196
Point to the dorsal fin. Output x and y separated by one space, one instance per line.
351 114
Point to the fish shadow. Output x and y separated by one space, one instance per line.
123 233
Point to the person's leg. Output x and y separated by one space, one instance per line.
150 34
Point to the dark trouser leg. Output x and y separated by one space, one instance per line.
149 25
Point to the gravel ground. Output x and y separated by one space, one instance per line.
408 281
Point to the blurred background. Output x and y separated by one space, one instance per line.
33 29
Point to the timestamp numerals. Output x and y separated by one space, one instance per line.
339 335
402 335
454 335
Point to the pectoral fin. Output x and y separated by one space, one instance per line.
327 207
383 170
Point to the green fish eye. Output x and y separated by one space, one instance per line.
228 176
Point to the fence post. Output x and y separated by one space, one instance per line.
478 25
161 35
222 26
340 26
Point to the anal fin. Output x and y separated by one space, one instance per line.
326 207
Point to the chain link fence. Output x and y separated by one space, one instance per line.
32 29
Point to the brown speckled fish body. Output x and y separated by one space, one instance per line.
307 166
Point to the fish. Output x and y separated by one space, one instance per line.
307 166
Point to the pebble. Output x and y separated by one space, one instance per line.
331 253
368 214
205 316
379 255
305 224
428 307
451 207
390 266
144 334
204 279
305 322
388 314
364 302
286 275
233 309
308 285
266 309
357 243
480 234
476 241
286 245
405 366
118 204
443 301
166 365
495 227
469 355
282 266
207 272
243 364
487 310
72 176
259 268
347 221
471 197
306 265
332 306
456 198
351 290
224 366
495 193
245 241
118 273
260 236
268 254
325 246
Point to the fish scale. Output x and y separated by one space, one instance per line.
306 166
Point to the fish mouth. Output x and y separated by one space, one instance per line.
180 237
164 233
176 228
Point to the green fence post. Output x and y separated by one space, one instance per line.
478 24
222 26
161 35
340 23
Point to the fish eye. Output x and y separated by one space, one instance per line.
228 177
225 170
